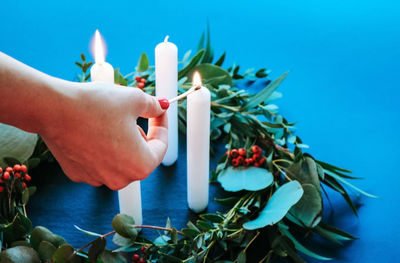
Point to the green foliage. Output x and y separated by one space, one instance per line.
245 178
281 195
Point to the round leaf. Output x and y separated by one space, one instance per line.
41 233
309 209
19 254
46 251
123 225
96 249
16 143
249 178
65 254
278 205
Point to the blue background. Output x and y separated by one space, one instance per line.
342 89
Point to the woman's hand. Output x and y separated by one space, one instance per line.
96 139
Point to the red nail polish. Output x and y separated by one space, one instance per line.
164 103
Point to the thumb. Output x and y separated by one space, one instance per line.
148 106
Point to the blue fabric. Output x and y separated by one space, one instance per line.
342 89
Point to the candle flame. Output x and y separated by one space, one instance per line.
99 50
196 79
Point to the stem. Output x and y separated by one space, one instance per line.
224 106
134 226
251 241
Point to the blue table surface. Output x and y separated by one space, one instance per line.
342 90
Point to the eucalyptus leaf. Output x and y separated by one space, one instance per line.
212 74
16 143
193 62
123 225
19 254
96 249
245 178
143 63
278 205
309 209
264 94
111 257
65 254
46 251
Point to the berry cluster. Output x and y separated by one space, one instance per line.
240 156
18 173
141 82
136 257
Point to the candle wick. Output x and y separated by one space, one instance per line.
166 39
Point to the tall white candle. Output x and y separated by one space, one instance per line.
166 64
198 146
130 201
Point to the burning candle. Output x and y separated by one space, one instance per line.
198 145
166 55
101 70
130 200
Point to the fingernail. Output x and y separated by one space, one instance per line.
164 103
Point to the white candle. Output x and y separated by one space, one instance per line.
198 146
130 201
166 56
101 70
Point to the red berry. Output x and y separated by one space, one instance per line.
140 85
142 260
1 189
143 248
17 167
1 170
240 159
138 78
248 161
256 157
17 175
9 169
24 169
255 149
262 161
135 257
143 80
234 153
235 162
27 177
6 176
24 185
242 152
257 164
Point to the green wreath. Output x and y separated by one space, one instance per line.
274 189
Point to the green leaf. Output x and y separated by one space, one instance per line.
122 241
65 254
174 235
119 79
285 231
245 178
46 251
16 143
88 232
25 196
209 54
123 225
19 254
212 75
193 62
200 45
96 249
337 177
212 218
203 225
41 233
11 161
333 234
309 209
111 257
79 64
227 201
241 257
264 94
143 63
83 58
18 229
278 205
191 233
33 162
221 60
332 167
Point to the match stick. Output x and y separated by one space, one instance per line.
184 95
